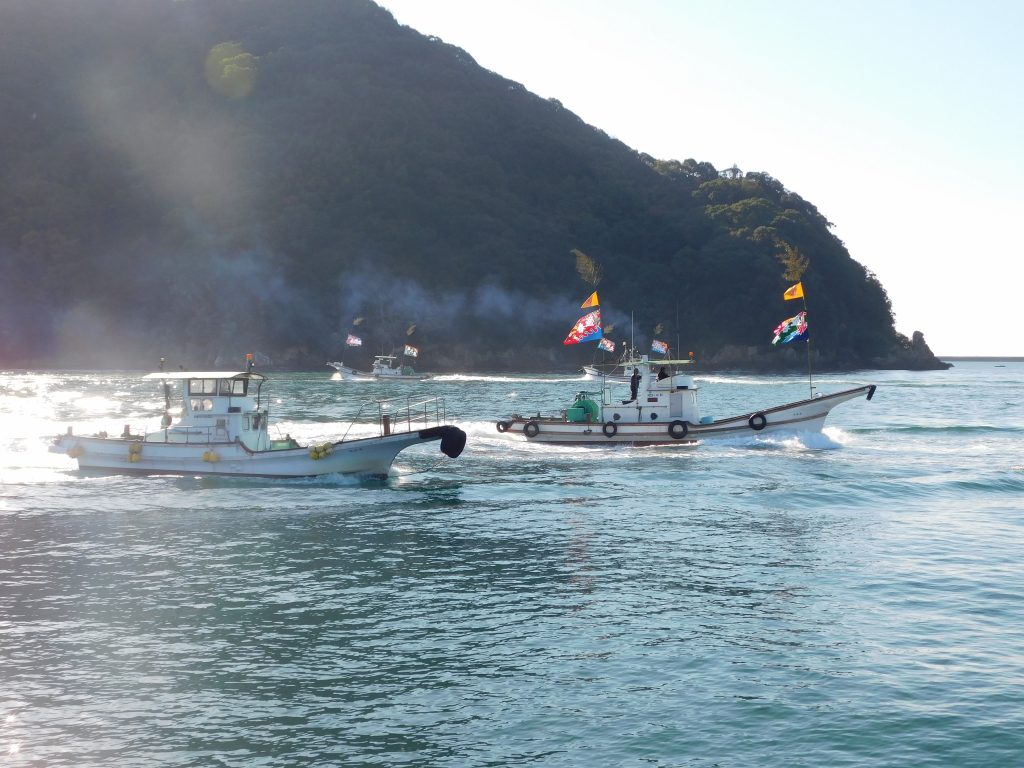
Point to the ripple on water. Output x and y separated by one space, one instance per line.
848 599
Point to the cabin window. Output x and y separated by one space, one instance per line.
202 386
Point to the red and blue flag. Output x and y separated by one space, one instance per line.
587 328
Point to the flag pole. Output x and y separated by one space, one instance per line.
810 376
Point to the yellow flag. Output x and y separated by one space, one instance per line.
794 292
591 302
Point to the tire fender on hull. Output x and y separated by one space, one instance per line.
677 430
453 439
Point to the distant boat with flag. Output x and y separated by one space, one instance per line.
347 372
614 371
385 367
389 367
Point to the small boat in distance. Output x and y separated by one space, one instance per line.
384 367
348 373
223 430
663 410
610 371
595 372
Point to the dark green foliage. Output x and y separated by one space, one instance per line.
209 177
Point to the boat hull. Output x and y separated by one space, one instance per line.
401 377
366 457
592 372
802 416
347 373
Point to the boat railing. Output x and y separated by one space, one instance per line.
192 435
395 413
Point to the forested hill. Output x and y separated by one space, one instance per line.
198 179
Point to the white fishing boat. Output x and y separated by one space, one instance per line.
614 371
223 430
348 373
597 372
664 410
387 367
384 367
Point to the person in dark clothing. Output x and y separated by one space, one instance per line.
634 384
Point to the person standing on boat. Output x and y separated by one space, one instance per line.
634 384
663 373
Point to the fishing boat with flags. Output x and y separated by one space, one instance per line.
347 372
393 368
389 367
385 367
662 407
612 371
223 429
664 410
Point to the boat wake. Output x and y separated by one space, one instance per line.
829 439
526 379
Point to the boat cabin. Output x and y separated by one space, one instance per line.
385 365
664 395
216 407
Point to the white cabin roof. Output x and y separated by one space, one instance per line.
638 363
203 375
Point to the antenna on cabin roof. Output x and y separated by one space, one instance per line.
250 361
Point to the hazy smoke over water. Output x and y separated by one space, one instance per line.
481 317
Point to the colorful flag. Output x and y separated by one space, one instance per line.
660 347
591 302
794 292
353 341
411 351
587 328
793 329
606 344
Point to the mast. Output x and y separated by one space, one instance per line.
810 375
632 342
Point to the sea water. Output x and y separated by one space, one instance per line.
850 598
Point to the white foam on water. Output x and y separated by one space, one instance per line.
497 378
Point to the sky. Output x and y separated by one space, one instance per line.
901 121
